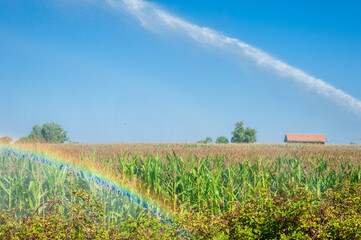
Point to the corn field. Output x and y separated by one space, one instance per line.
27 187
195 183
304 192
185 181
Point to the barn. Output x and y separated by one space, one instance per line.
305 138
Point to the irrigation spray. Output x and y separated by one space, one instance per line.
152 17
91 176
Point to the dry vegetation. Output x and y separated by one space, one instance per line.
234 153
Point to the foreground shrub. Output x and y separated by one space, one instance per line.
334 215
81 218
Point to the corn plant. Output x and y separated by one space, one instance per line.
194 183
26 185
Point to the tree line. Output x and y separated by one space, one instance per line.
239 135
54 133
47 133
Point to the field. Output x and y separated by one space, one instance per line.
190 175
207 184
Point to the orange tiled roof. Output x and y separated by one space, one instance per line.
305 137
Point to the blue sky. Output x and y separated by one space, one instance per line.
104 77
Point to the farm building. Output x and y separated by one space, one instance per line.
305 138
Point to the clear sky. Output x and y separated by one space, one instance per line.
106 77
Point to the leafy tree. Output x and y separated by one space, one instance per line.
240 134
36 135
250 135
221 139
53 133
23 140
48 132
207 140
6 140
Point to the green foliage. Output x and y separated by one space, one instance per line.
82 218
23 140
221 139
250 135
5 140
53 133
335 215
48 132
207 140
288 199
242 135
192 183
238 133
42 202
36 134
26 185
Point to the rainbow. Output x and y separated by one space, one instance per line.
88 175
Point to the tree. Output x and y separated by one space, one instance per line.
238 133
49 133
221 139
241 135
53 133
208 140
6 140
35 135
23 140
250 135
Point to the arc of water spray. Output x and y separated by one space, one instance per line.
154 18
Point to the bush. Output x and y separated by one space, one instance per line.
334 215
337 215
207 140
221 139
5 140
81 218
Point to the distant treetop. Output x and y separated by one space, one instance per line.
221 139
207 140
6 140
47 133
241 135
